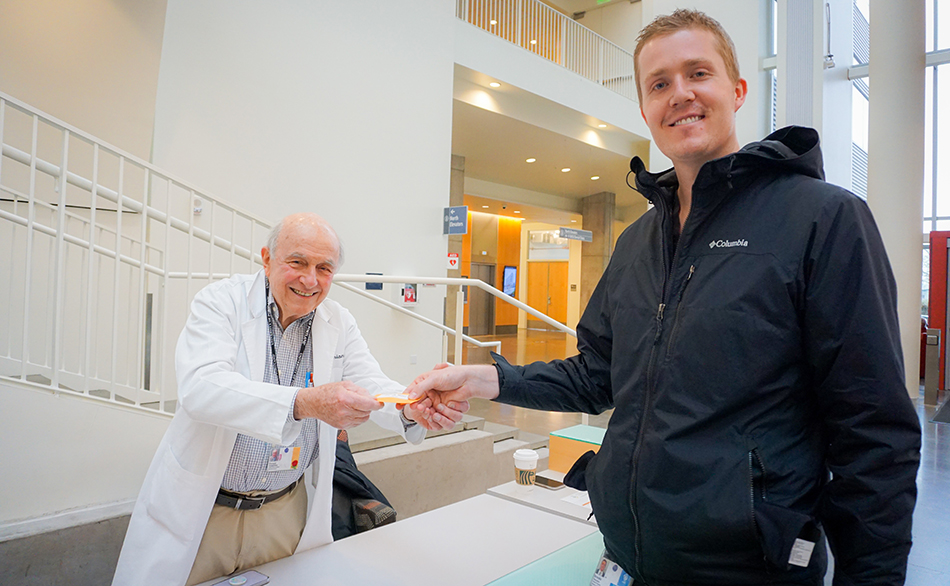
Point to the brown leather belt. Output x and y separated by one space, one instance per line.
235 500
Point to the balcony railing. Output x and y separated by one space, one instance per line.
538 28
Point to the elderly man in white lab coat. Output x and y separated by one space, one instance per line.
268 370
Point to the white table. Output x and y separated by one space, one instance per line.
545 499
469 543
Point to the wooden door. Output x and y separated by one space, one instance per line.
557 291
547 289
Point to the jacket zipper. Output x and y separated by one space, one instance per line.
679 304
757 465
651 386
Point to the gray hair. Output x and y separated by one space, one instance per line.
274 236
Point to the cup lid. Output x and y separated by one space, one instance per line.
524 454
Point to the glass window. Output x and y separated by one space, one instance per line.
941 160
925 289
859 112
548 245
861 33
928 147
942 8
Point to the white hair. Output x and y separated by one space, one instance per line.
274 236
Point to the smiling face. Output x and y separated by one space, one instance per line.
301 267
689 101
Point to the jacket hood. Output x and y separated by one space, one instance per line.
794 149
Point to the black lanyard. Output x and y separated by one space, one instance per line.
270 335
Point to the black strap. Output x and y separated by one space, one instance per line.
270 335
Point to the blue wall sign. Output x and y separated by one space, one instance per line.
455 220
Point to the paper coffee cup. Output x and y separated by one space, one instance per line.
526 465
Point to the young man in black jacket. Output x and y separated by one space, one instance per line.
746 334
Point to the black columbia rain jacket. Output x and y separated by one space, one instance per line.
756 374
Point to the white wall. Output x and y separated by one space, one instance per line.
93 64
559 90
619 23
62 453
344 110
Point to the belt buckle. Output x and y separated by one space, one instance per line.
251 503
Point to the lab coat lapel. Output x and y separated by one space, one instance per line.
254 330
324 342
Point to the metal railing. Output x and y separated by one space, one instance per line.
538 28
102 254
343 280
91 237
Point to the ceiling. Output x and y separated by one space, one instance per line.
496 148
521 211
572 6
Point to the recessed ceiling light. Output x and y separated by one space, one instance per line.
573 221
565 169
495 84
517 211
531 160
534 42
595 178
485 207
493 22
601 126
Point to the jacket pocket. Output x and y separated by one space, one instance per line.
778 527
177 498
679 308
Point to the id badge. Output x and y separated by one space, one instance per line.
283 458
609 573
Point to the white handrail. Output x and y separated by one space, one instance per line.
78 277
455 281
495 344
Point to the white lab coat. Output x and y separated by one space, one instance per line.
220 365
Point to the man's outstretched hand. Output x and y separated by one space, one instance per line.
445 391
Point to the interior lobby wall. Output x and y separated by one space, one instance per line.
619 23
87 459
342 110
92 64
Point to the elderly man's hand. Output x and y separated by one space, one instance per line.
342 404
423 413
447 389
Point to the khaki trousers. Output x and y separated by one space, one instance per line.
236 540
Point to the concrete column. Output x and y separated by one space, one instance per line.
800 54
456 198
599 211
896 156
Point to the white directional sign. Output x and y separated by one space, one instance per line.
575 234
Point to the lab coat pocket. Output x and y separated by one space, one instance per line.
176 499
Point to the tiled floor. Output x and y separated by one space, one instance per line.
929 563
